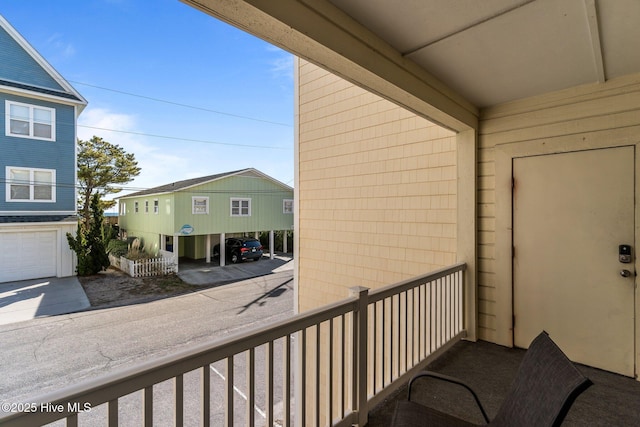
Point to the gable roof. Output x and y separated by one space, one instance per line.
46 81
188 183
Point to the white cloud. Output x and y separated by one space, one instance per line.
283 66
101 118
157 165
67 50
112 127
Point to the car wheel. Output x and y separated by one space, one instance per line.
234 258
258 259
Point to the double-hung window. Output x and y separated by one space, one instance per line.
156 206
287 206
30 121
240 207
30 185
199 205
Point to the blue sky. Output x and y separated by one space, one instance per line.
214 98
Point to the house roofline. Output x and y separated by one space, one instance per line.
15 34
218 177
14 86
42 95
270 178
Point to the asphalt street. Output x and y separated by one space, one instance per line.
45 354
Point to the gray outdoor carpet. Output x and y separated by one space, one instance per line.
612 400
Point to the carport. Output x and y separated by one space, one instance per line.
173 244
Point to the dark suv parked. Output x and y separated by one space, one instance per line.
238 249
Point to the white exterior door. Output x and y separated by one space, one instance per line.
571 212
27 255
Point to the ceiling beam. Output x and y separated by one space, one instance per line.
321 33
594 32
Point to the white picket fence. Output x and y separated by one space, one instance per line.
145 267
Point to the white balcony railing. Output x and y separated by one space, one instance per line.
340 359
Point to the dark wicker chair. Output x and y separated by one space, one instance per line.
541 394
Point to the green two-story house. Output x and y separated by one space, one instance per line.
188 218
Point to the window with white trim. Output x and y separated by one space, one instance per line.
146 206
30 121
135 207
199 205
240 207
287 206
30 185
156 206
123 208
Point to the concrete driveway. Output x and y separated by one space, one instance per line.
202 273
28 299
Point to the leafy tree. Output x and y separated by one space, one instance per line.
89 243
101 165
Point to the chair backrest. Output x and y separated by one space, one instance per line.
544 388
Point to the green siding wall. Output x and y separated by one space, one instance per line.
148 225
266 206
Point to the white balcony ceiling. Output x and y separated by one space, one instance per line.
479 53
492 51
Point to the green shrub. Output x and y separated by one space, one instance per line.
136 251
117 248
88 244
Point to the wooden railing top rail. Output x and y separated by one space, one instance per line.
403 286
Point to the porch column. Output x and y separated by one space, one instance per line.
272 245
223 258
176 249
208 248
466 143
284 241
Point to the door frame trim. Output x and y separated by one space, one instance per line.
504 155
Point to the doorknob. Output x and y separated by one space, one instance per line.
625 273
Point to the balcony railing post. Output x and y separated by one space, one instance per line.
361 317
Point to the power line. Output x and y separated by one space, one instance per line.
185 139
183 105
175 138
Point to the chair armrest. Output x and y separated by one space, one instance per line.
451 380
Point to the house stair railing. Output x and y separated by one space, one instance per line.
327 366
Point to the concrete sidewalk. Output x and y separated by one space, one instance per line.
29 299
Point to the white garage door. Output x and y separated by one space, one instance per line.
27 255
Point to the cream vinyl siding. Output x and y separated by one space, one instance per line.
585 117
377 190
